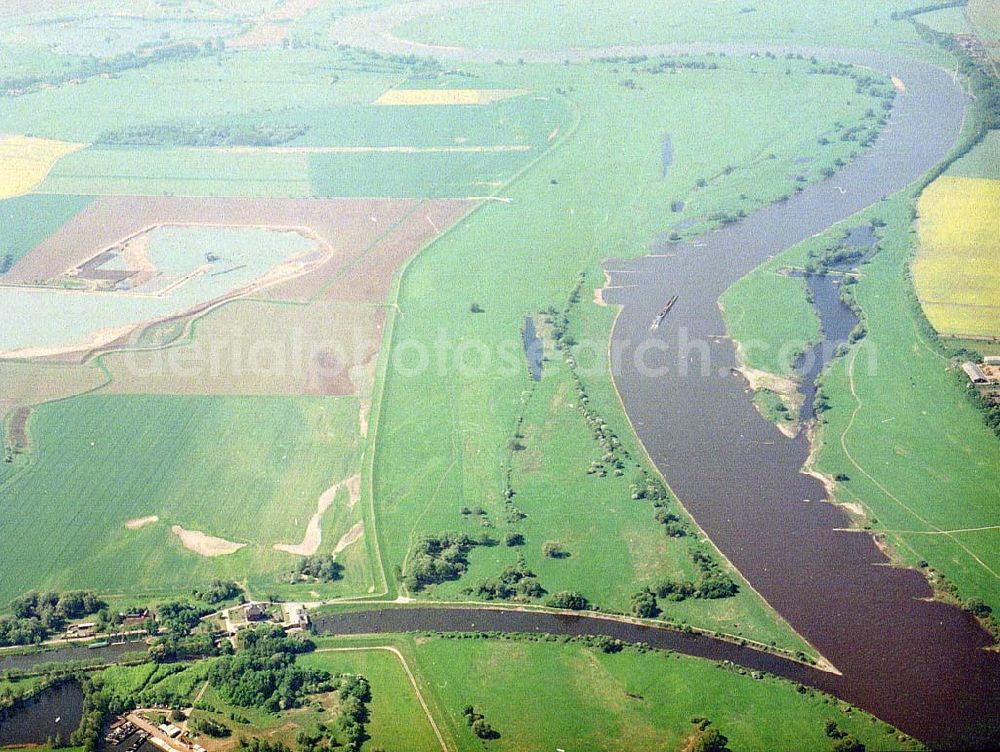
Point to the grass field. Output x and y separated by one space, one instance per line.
26 221
769 314
985 17
262 83
982 162
24 162
104 36
920 460
248 470
957 269
547 24
397 719
444 430
632 699
420 175
948 20
179 172
628 700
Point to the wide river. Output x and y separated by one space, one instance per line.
915 662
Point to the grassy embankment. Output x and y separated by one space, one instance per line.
631 699
445 435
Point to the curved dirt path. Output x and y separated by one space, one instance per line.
409 674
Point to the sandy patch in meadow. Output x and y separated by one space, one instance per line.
350 537
205 545
314 531
140 522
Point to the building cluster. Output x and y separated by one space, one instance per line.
984 376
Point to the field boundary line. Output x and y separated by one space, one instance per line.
945 532
409 673
882 488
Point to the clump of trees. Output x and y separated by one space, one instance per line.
477 722
318 568
36 616
262 673
644 604
439 558
210 727
568 599
514 583
843 742
179 618
706 739
514 539
713 583
175 647
349 733
89 67
554 550
217 591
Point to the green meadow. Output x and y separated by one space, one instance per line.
264 83
25 221
627 698
150 171
983 161
398 721
248 470
633 699
547 24
444 428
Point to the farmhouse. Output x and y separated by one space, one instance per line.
256 612
985 378
134 618
82 629
975 373
296 616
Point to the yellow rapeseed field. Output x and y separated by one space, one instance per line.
25 161
417 97
957 269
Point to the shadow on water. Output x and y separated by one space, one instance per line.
56 711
